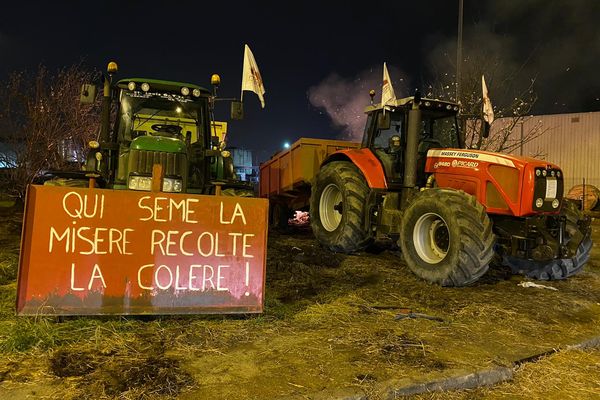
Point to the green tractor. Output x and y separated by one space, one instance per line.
157 122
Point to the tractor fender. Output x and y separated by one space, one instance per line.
366 161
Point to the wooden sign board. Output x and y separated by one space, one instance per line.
99 251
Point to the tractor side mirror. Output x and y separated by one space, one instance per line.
237 110
384 121
486 129
88 94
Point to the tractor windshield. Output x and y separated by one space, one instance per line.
440 127
159 114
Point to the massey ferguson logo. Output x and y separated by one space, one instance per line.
441 164
464 164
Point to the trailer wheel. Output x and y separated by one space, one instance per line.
338 208
446 237
279 215
578 240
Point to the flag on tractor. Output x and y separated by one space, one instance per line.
488 111
388 97
251 79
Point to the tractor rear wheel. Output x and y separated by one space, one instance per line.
579 242
338 208
446 237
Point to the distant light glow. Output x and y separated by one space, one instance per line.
286 145
178 109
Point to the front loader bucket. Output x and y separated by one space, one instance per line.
99 251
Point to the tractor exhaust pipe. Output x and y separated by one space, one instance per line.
411 152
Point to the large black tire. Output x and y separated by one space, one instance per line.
338 205
446 237
579 241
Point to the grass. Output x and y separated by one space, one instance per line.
329 328
566 375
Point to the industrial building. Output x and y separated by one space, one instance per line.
571 141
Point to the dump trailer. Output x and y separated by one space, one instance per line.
145 226
452 211
286 178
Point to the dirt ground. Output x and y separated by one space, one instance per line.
329 330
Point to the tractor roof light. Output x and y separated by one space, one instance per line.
112 67
196 92
131 86
448 107
185 91
145 86
215 80
427 104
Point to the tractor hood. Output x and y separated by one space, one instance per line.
455 157
505 184
158 143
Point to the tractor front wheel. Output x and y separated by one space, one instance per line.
338 208
446 237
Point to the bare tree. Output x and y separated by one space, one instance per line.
43 126
513 95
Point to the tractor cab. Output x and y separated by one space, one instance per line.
386 134
160 122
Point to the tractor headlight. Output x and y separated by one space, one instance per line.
544 172
145 86
140 183
131 86
196 92
172 185
538 172
539 203
226 153
555 203
185 91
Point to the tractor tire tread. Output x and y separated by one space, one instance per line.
352 237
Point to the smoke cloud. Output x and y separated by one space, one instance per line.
555 43
344 99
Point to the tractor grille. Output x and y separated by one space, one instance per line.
141 162
548 186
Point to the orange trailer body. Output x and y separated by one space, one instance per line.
287 176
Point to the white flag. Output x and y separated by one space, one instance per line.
387 91
488 111
251 79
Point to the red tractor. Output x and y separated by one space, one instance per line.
451 210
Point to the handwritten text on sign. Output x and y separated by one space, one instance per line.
103 251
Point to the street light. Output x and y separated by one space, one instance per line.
286 145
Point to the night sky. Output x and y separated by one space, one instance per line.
317 59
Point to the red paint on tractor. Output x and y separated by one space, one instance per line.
368 164
123 252
469 170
